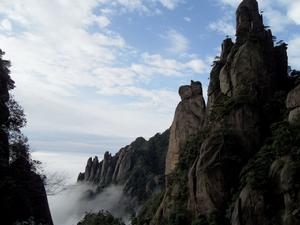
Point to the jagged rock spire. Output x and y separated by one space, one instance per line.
248 18
188 120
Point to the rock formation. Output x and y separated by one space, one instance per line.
237 160
188 121
241 166
138 166
293 104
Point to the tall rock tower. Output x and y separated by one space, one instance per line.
248 85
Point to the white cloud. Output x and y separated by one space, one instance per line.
222 27
170 4
278 21
178 43
69 164
78 80
71 205
187 19
294 11
103 21
5 25
293 50
173 67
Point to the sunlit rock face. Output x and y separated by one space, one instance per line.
188 120
293 104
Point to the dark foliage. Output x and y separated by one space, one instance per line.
285 140
100 218
148 210
22 193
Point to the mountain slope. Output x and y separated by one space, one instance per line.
139 167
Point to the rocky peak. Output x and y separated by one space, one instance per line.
188 120
189 91
226 47
248 19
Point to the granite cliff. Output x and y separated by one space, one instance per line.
236 159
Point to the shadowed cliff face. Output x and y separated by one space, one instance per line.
139 167
240 173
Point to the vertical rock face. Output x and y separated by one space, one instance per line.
248 83
188 121
242 81
236 161
248 20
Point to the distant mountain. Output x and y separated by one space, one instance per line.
139 167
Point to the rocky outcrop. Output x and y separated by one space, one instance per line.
293 104
139 167
248 85
188 121
236 160
248 20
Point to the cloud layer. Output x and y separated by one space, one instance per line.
72 68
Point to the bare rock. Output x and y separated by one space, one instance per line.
293 98
249 208
214 173
294 115
188 120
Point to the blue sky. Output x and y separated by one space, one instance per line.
94 74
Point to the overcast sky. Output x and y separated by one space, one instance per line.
94 74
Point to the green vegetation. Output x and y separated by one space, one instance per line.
212 219
179 180
226 104
149 209
101 218
285 140
30 221
149 161
190 152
